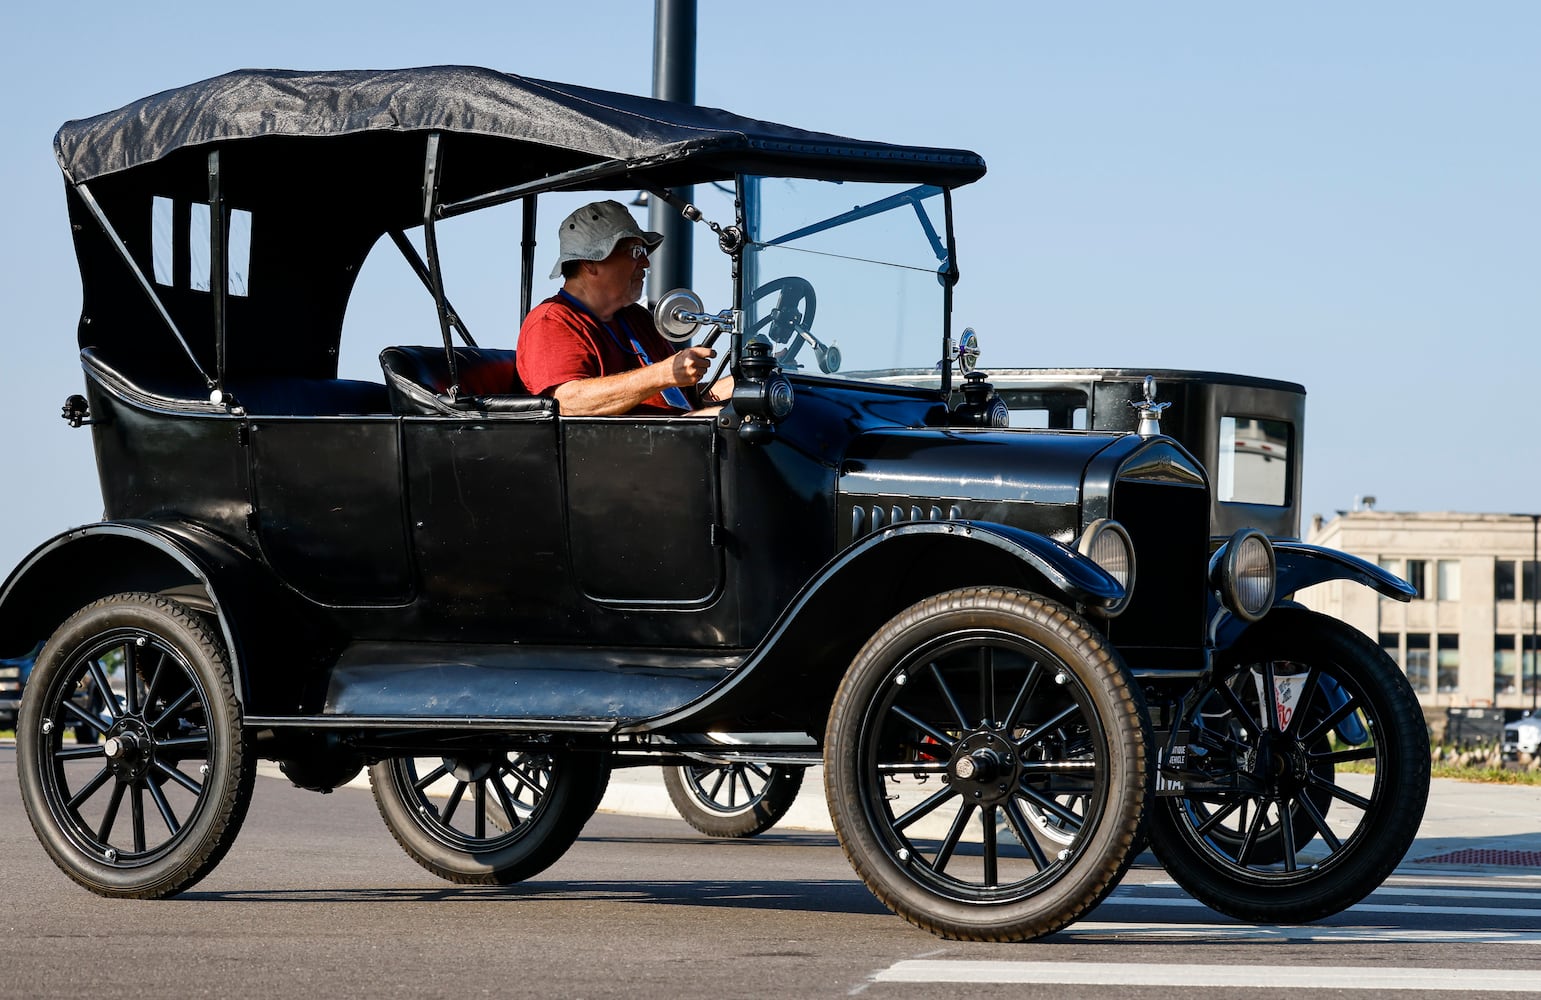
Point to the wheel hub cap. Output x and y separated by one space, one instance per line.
984 768
129 748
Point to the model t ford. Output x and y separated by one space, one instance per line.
1016 652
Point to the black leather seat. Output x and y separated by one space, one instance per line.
418 381
174 385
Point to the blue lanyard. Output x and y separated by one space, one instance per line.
672 395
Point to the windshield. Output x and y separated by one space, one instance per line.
842 277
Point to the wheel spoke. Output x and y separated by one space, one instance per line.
99 678
130 669
918 767
1219 816
1024 833
947 695
1339 792
479 800
111 814
1308 691
450 806
1029 683
84 717
925 808
153 686
764 772
79 752
506 800
1050 723
136 816
992 847
179 778
1320 822
183 747
1051 806
1237 708
1250 838
164 807
1270 698
421 784
89 788
1331 721
954 834
743 777
986 684
1343 756
1051 767
926 727
1287 828
174 708
721 775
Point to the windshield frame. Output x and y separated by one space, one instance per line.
749 215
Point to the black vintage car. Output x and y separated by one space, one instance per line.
1016 652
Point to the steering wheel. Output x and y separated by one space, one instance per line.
789 324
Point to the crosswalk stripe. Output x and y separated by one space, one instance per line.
1317 934
1249 976
1367 906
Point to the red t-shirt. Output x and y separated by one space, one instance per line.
560 343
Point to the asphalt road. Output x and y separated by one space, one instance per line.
316 899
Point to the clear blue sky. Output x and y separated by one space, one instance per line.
1343 195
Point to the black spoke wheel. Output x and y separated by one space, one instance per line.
1297 696
152 799
489 817
963 713
732 800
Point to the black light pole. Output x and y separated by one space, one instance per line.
1535 591
674 79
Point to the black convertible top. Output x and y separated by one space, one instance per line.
673 143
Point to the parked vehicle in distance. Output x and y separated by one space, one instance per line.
13 677
1522 737
1015 652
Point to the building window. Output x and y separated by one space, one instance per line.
1530 581
1394 567
1503 580
1528 664
1418 661
1448 663
1391 645
1447 579
1505 666
1415 576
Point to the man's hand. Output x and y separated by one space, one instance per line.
690 365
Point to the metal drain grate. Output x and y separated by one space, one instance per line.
1486 856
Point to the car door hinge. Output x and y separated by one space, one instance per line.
243 435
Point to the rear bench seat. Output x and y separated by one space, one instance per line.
418 382
181 389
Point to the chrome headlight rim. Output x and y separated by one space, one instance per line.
1246 558
1092 544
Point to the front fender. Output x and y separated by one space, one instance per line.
1302 565
792 673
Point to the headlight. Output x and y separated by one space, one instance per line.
1106 543
1245 574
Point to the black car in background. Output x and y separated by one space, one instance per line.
1018 653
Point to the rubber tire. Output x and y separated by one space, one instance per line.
578 783
208 831
1118 703
747 821
1385 832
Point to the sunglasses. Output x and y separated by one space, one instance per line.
638 251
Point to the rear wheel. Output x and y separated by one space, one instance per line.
741 799
960 719
151 800
489 818
1299 695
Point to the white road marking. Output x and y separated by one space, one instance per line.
1319 934
1368 906
1253 976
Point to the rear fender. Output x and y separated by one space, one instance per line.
792 675
82 565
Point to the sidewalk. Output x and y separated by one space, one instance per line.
1466 824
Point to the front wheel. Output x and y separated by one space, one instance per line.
150 800
962 718
741 799
1299 695
490 817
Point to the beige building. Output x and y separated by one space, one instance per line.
1468 638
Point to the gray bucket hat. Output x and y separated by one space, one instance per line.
592 232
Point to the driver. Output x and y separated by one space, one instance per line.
591 347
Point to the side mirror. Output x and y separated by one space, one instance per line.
677 314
